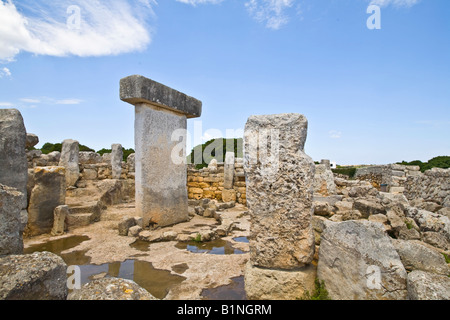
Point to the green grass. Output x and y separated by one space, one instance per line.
198 238
447 258
320 292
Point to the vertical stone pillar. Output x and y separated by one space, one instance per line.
229 170
13 159
160 143
49 192
279 178
70 160
11 241
116 160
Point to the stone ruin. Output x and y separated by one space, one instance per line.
306 223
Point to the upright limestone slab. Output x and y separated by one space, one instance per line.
161 115
11 241
279 177
70 160
13 159
116 160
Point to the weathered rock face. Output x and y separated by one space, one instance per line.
424 285
49 192
13 159
31 140
131 162
89 157
357 261
116 160
432 185
279 191
11 241
415 255
70 160
324 180
269 284
111 289
37 276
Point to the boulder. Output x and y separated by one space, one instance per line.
125 225
368 207
31 140
269 284
323 209
89 157
357 261
37 276
111 289
415 255
424 285
11 241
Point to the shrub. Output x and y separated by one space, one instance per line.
320 292
219 147
348 171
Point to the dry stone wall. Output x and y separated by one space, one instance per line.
432 185
208 183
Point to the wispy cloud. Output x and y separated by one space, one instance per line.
28 100
396 3
42 27
270 12
5 72
335 134
196 2
6 104
49 101
68 101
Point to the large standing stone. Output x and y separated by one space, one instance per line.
116 160
37 276
279 178
70 160
11 241
357 261
160 162
229 170
13 159
49 192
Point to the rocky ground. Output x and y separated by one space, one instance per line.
200 270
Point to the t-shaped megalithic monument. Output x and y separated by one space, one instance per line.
161 114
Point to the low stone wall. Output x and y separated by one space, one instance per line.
432 185
393 175
208 183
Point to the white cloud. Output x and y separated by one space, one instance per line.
68 101
28 100
271 12
5 72
6 104
196 2
397 3
43 27
335 134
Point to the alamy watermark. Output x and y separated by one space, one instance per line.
374 21
73 21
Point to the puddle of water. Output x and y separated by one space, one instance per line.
60 245
213 247
180 268
241 239
157 282
141 245
233 291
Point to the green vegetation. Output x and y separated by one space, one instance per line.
348 171
198 238
126 152
202 154
51 147
320 292
409 224
447 258
436 162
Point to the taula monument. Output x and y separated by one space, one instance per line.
161 191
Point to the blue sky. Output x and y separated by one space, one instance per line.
371 96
